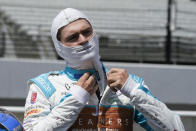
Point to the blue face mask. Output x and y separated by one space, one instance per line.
9 123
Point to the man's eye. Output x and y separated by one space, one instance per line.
87 32
72 38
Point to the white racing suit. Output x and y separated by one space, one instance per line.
55 103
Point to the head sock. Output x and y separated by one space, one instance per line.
85 56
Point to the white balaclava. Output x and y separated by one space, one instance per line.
84 56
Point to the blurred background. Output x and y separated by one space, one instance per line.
154 39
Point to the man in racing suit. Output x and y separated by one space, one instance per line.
82 97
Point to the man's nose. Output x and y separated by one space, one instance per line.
82 40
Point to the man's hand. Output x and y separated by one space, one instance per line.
88 82
117 78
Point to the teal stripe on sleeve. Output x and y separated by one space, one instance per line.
137 79
141 120
66 96
147 92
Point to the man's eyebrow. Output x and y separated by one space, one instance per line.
88 28
72 34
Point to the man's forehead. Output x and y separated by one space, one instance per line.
76 25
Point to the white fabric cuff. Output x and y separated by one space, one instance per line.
129 85
80 94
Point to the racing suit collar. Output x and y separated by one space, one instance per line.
75 74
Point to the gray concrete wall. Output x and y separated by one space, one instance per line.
170 83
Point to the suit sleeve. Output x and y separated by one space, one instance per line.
150 113
40 115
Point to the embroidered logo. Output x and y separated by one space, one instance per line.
33 111
33 97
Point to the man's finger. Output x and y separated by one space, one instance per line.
113 73
91 80
110 81
115 85
112 78
114 89
113 70
95 88
84 77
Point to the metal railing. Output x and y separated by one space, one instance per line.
19 109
